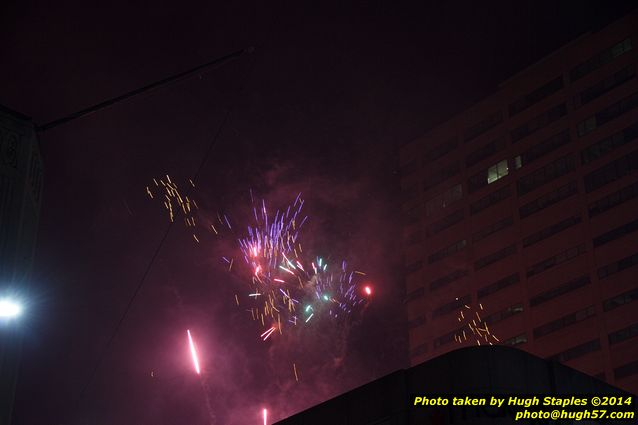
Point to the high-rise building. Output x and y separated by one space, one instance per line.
20 197
526 205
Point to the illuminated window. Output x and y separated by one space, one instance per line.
497 171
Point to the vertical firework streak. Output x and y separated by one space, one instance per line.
203 379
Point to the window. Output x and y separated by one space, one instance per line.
556 260
483 126
490 200
488 176
415 295
446 280
577 351
517 340
608 114
611 172
439 151
614 199
536 96
616 233
440 176
443 224
485 151
609 144
493 258
448 337
619 300
504 314
617 266
493 228
623 334
418 350
625 370
564 322
604 86
444 200
549 199
538 122
419 321
544 175
498 285
600 59
452 306
542 149
446 252
414 267
563 289
497 171
551 230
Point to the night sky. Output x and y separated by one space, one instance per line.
321 107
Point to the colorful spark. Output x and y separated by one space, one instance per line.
475 326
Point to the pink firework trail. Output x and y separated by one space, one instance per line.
265 416
191 344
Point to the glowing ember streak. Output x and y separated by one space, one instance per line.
193 352
368 290
265 416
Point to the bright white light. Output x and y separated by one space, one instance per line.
193 352
9 309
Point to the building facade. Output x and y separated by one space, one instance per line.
472 370
20 197
525 205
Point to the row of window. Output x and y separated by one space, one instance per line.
618 232
617 266
447 251
609 144
621 299
545 118
626 370
488 176
546 174
441 175
609 113
504 314
563 322
444 200
604 86
494 257
490 200
452 306
623 334
543 148
611 172
555 260
551 230
577 351
536 96
614 199
538 122
485 152
446 222
500 284
572 353
493 228
559 290
446 280
482 127
419 321
600 59
548 199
